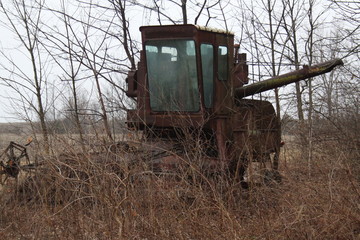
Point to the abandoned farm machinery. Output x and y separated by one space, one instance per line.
190 90
191 84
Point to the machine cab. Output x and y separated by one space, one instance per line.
186 71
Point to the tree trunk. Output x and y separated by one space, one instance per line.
184 11
103 108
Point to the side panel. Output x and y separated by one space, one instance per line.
256 130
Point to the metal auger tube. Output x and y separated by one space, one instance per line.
291 77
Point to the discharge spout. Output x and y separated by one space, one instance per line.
291 77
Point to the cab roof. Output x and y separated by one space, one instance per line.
184 27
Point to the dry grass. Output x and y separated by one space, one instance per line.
100 196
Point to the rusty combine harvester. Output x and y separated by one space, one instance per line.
192 79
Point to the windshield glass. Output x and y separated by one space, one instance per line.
172 75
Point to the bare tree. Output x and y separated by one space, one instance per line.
126 39
71 73
84 44
348 24
167 12
265 40
95 63
24 21
292 20
274 29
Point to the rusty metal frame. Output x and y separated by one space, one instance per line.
10 159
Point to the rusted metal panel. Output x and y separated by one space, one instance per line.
240 71
132 84
256 128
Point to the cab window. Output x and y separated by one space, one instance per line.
207 66
223 63
172 75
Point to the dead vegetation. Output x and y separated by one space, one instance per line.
102 196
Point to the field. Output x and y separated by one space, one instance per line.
99 196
